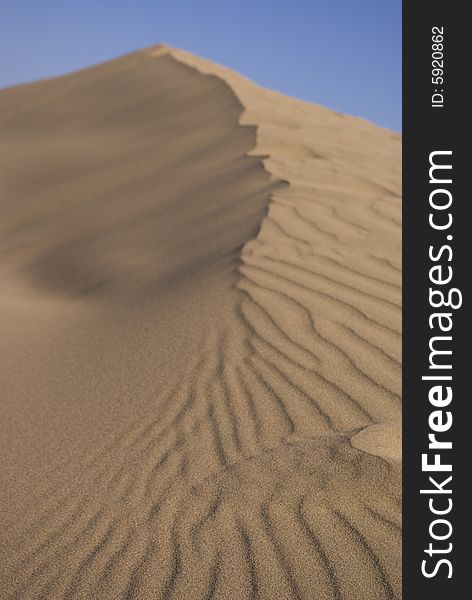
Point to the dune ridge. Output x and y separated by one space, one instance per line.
202 339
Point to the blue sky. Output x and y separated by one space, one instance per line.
343 54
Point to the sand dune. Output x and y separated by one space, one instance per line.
201 321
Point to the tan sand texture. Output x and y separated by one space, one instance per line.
200 340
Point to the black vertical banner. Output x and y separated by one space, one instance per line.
437 243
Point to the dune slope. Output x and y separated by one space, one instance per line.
200 315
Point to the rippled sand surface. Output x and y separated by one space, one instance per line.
201 321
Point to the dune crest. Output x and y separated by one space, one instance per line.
202 357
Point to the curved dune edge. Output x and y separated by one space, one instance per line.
295 158
300 245
254 455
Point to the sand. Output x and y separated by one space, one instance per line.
201 351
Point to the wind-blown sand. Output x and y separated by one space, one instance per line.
200 317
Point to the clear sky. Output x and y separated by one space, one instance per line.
343 54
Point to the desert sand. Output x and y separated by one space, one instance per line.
201 340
